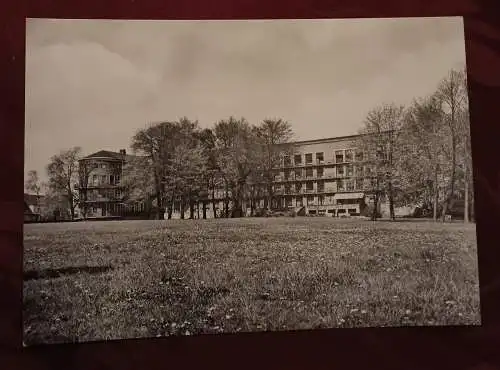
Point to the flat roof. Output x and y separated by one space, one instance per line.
326 140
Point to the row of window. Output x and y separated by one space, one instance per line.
320 200
96 194
341 185
340 171
340 156
97 180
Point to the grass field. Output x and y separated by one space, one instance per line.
121 279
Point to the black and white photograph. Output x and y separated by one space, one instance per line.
217 177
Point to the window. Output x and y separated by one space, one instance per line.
297 158
348 155
309 186
103 179
94 179
340 185
321 200
310 200
117 179
298 188
381 153
289 201
340 171
288 189
358 155
287 174
118 193
104 165
309 172
319 172
298 174
111 179
320 157
359 184
350 185
321 186
349 170
359 171
287 161
309 158
339 156
299 202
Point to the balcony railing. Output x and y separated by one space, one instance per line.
317 177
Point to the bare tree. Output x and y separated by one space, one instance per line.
63 174
156 142
274 137
465 159
137 182
237 157
421 158
379 143
452 94
34 185
85 167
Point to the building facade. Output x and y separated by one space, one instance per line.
99 188
324 177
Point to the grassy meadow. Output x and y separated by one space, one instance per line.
122 279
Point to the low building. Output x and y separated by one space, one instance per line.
33 207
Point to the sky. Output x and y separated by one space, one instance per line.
94 83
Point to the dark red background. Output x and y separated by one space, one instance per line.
392 348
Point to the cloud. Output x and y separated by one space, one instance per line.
93 83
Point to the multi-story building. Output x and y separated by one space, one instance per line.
318 177
100 192
325 177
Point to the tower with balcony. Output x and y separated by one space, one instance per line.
99 188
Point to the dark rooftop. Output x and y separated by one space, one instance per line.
109 155
31 199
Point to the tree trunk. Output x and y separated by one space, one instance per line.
252 204
71 202
191 208
391 201
269 196
435 195
214 206
182 207
375 207
451 191
226 201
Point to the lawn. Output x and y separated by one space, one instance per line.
121 279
